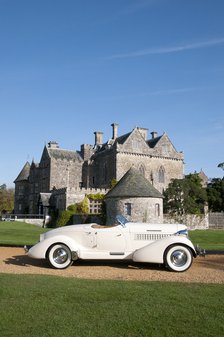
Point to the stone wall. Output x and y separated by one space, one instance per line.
37 222
142 209
64 197
103 169
192 221
216 220
65 173
21 197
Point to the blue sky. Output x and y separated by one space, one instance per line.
72 67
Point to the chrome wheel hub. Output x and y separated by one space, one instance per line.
179 258
60 256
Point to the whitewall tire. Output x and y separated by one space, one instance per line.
59 256
178 258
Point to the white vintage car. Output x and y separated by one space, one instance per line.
141 242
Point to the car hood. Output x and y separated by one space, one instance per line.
164 228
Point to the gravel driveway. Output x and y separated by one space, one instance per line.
209 269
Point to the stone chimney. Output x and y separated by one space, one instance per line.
144 132
154 134
114 130
53 145
98 137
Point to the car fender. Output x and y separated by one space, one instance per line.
39 251
154 252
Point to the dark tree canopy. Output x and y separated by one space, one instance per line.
215 191
185 196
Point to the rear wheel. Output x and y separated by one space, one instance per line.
59 256
178 258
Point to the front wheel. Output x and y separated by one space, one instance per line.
178 258
59 256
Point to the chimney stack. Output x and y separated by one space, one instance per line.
144 132
98 137
53 145
114 130
154 134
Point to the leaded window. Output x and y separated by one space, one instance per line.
161 175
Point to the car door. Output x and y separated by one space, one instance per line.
111 240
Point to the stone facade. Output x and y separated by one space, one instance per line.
95 166
143 209
64 197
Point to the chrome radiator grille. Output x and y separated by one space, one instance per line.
149 237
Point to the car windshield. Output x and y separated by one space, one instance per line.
121 220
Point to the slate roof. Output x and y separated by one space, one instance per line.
110 143
64 154
152 142
123 138
133 184
24 174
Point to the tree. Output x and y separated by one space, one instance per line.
6 199
185 196
215 191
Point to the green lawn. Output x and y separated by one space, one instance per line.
48 306
19 233
208 239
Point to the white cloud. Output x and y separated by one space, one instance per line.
171 49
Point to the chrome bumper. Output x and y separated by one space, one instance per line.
27 248
200 251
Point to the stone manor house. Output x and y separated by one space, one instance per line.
64 177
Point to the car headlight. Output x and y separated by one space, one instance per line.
183 232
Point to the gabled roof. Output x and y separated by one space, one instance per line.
58 153
24 174
133 184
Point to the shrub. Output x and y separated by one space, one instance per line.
83 206
65 218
